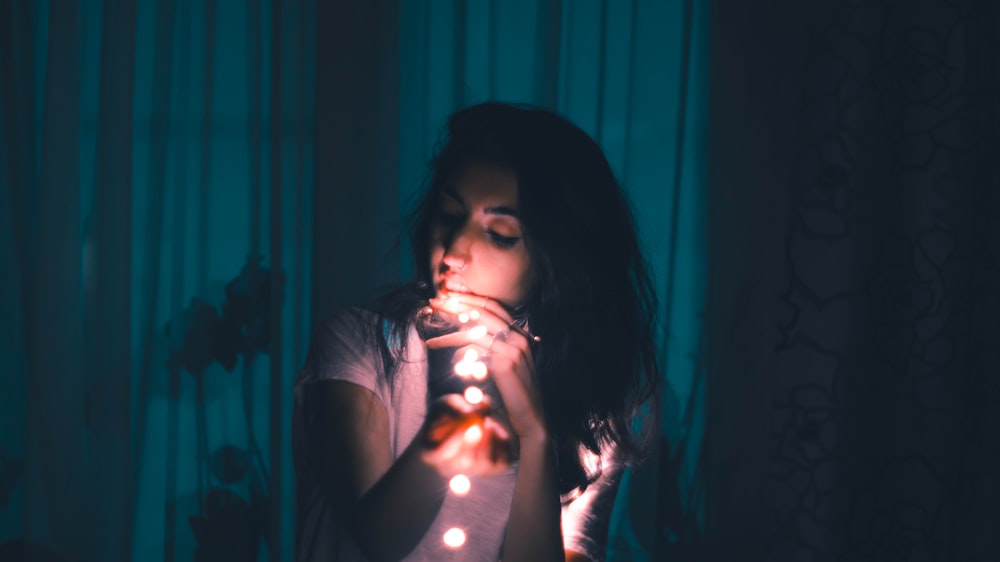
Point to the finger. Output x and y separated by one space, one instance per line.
517 385
494 449
455 406
488 454
511 365
499 361
516 349
468 320
482 339
458 435
497 430
452 414
464 447
457 303
466 307
477 305
472 335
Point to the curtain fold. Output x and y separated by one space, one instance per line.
107 288
146 311
189 186
355 218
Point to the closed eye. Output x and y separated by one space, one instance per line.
501 240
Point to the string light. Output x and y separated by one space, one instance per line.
466 367
473 434
454 537
460 484
469 365
478 370
473 395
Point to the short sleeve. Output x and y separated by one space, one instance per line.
342 351
586 518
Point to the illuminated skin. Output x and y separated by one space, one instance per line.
477 243
481 269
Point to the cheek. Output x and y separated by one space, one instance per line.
525 278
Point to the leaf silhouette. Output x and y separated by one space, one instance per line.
228 531
200 325
229 464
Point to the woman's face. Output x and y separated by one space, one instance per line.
477 245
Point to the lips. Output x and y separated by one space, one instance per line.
454 284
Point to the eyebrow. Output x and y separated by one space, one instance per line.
497 210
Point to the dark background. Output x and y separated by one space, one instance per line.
188 187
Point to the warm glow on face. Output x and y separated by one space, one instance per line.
454 537
460 484
473 395
467 253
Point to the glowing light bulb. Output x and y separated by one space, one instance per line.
454 538
478 370
463 369
473 434
471 355
460 484
477 332
463 317
474 314
473 395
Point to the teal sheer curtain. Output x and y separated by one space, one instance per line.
153 154
189 186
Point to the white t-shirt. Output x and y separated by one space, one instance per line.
339 351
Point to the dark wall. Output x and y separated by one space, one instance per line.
854 309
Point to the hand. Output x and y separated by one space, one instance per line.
463 438
506 352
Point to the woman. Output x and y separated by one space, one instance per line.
527 258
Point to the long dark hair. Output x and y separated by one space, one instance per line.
592 300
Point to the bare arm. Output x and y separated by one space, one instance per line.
533 527
386 506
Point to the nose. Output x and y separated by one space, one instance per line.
457 250
454 263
